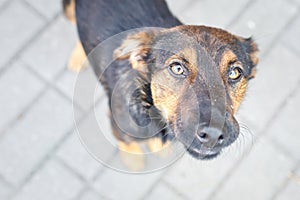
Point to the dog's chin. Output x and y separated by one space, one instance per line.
203 154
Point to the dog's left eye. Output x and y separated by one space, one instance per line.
235 74
177 68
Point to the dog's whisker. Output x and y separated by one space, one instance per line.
247 134
238 145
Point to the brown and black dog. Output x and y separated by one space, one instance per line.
191 78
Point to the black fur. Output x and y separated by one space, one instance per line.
106 18
98 20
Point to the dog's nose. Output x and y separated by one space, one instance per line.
210 137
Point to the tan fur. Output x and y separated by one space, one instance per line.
227 57
237 94
164 99
132 155
134 48
155 145
254 55
77 59
253 73
190 55
69 12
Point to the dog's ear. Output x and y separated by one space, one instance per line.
252 51
135 48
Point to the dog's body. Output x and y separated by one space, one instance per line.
174 84
109 18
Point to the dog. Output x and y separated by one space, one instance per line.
171 68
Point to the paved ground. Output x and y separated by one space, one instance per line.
41 157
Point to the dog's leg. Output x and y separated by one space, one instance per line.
155 145
132 155
69 10
77 59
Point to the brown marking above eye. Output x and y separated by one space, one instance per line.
238 89
188 58
227 58
190 55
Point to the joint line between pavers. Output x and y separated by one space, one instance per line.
34 36
33 9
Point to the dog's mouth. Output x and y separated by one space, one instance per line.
204 141
203 154
197 149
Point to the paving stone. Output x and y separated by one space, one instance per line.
74 154
291 37
295 1
54 181
163 191
259 175
292 190
177 7
25 144
18 87
66 83
18 25
198 179
96 135
2 2
264 24
212 13
47 8
82 88
49 53
5 190
284 129
268 90
91 195
37 131
117 185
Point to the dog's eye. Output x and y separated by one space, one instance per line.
177 69
235 74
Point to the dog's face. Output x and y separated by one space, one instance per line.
198 78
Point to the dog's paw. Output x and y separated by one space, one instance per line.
155 145
77 59
132 156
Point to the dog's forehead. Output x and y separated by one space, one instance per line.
195 43
188 41
196 36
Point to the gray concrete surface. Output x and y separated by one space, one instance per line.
40 154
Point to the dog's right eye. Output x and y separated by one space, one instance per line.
177 69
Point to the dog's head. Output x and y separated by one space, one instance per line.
198 78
